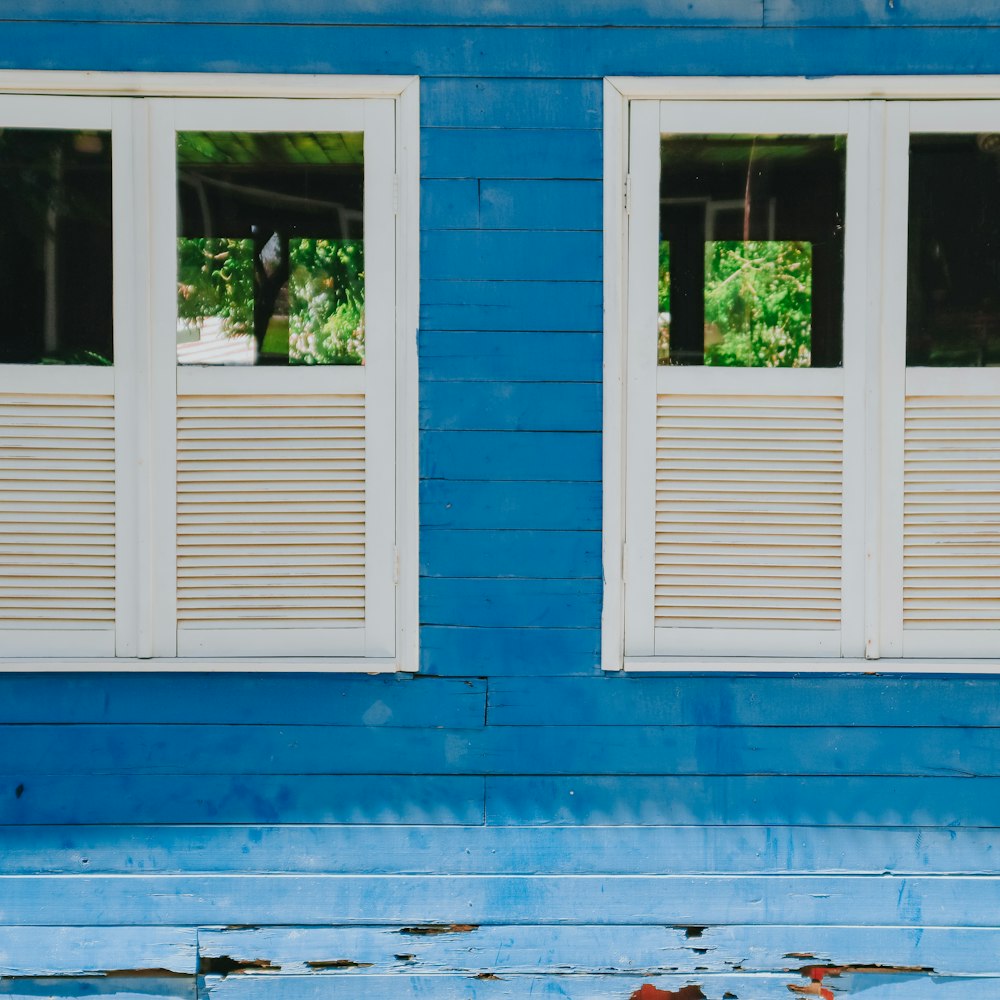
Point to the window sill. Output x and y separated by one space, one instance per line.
235 664
812 665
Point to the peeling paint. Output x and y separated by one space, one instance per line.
431 929
339 963
223 965
650 992
488 975
817 973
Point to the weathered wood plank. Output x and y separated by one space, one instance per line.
899 13
545 204
206 798
548 555
589 950
389 850
141 986
318 699
507 750
510 357
913 986
483 899
550 457
399 12
504 103
519 306
802 700
511 603
569 506
76 951
511 153
510 255
460 651
769 801
510 406
449 204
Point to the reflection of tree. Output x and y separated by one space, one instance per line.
244 282
758 302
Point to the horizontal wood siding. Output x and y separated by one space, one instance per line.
509 822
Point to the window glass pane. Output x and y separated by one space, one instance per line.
953 287
56 254
270 248
751 269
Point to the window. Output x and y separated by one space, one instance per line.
802 434
207 374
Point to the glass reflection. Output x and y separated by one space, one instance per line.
751 257
56 250
270 255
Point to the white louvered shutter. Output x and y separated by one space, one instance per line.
951 513
57 512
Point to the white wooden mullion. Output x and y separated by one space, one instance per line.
750 381
380 401
238 380
274 115
129 288
640 376
860 247
740 642
37 111
891 358
161 381
754 117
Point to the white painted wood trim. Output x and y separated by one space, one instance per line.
200 84
236 380
887 426
613 442
952 381
810 665
858 253
920 642
698 379
269 115
161 168
743 642
760 88
129 291
955 116
380 391
24 644
753 117
643 226
72 662
58 380
279 642
55 112
407 401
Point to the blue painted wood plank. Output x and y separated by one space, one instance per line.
909 13
507 651
497 456
511 406
545 555
769 801
498 52
474 255
129 986
672 900
521 153
326 699
503 103
748 701
400 12
589 949
511 603
547 204
29 750
510 357
75 951
206 798
519 306
532 505
760 986
449 204
475 850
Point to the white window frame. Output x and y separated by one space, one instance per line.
145 634
876 116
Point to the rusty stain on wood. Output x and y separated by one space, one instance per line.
427 930
650 992
223 965
817 973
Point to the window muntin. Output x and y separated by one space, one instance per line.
751 250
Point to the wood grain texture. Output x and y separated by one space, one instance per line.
472 850
899 13
510 406
458 651
542 505
377 900
553 555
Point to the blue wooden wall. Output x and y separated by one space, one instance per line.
509 822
